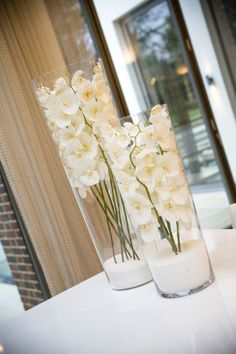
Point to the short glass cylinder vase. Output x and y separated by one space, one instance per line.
150 175
75 100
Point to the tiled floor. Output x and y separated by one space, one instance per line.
10 302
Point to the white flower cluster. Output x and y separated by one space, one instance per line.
74 109
145 161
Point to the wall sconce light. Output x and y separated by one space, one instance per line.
209 79
182 70
153 81
129 56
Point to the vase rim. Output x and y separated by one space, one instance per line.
61 70
144 111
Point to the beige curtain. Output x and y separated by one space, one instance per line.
28 48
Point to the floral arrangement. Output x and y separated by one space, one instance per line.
150 176
75 107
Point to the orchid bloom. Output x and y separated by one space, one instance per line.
140 208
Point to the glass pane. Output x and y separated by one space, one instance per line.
10 301
164 77
71 30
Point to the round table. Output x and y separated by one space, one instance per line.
92 318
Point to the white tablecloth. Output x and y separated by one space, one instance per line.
92 318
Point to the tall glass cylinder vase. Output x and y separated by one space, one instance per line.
76 100
152 182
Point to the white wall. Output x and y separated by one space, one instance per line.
109 11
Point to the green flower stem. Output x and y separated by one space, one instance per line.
114 210
107 206
174 248
109 220
108 225
108 194
127 226
117 217
163 229
178 238
115 202
117 232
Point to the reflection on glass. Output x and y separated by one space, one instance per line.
164 77
71 30
10 301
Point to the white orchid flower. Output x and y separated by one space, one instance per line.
69 102
52 102
122 139
149 231
162 187
168 210
165 135
93 111
82 189
131 129
178 189
72 152
90 177
158 114
72 130
128 184
86 92
107 132
140 208
148 137
77 157
60 118
147 174
77 123
168 144
102 170
185 213
42 94
64 135
147 155
157 109
97 68
60 86
88 145
109 114
118 155
101 92
77 167
169 164
77 80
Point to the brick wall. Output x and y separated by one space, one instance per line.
17 254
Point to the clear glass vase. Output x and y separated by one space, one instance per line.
76 100
152 182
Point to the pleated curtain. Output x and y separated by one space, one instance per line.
28 48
